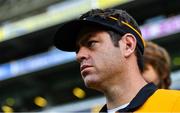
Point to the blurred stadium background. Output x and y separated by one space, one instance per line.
36 77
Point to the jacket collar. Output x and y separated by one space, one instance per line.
138 100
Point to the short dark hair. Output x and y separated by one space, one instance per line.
121 15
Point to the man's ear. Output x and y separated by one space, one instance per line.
129 42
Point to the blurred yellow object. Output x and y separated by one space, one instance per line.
110 3
7 109
96 108
1 34
78 92
40 101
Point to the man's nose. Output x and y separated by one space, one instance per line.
82 54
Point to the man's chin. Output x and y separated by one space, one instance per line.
91 84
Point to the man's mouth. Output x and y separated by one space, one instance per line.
84 67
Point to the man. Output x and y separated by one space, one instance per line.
109 48
157 65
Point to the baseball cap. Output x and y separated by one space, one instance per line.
66 36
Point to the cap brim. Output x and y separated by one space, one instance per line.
66 35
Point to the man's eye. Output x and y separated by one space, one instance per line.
91 43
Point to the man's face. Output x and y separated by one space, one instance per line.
99 59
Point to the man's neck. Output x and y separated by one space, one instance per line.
124 92
125 85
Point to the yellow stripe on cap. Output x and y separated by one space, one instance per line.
142 39
135 31
113 18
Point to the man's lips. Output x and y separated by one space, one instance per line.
84 67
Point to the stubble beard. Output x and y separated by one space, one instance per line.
91 82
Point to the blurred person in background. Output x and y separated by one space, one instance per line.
109 48
157 65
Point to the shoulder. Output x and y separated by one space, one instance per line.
167 93
162 101
163 95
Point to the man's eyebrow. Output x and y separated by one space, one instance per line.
83 39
